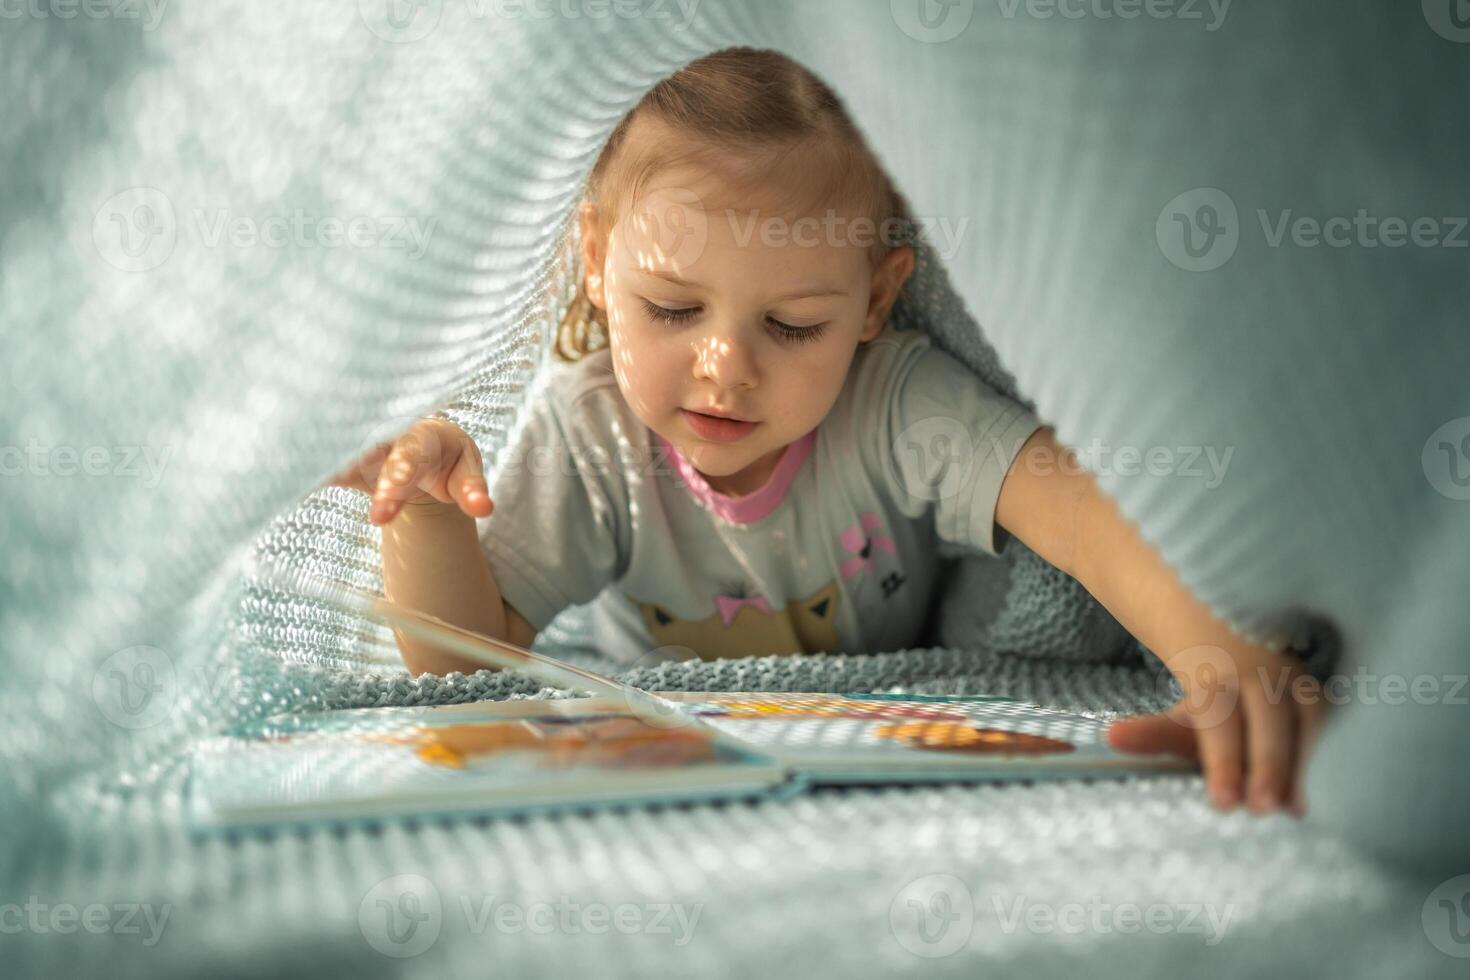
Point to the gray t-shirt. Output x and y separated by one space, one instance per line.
837 552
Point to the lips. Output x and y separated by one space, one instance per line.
717 428
723 415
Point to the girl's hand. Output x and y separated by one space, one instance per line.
1251 716
434 463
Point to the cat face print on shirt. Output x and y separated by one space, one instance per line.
746 626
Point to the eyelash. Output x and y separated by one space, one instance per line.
795 335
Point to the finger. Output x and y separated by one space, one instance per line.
397 480
466 484
1220 749
1270 730
1153 733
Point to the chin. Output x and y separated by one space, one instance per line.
714 458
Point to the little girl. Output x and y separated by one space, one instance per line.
742 458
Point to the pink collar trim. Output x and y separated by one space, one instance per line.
753 506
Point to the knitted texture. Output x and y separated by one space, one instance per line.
191 349
757 880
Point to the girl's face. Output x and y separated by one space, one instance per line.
735 312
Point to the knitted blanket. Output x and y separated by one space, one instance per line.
237 245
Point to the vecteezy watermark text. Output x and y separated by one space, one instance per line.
1211 13
839 230
148 12
64 918
39 459
402 916
936 455
937 21
1200 230
934 916
139 229
407 21
1098 917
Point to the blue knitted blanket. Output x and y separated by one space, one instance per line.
1218 246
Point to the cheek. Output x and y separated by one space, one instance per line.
644 366
814 381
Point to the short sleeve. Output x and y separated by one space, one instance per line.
557 535
943 441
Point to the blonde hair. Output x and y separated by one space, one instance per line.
744 112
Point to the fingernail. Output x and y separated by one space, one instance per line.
1263 799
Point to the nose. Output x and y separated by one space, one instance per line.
724 359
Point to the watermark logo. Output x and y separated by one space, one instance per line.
934 457
1450 19
137 687
420 450
670 226
932 21
933 916
1446 459
401 21
1446 917
139 229
1199 230
136 230
1207 677
401 916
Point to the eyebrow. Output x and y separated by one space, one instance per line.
806 292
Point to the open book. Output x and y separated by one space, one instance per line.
524 756
622 745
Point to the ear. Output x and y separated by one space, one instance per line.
888 280
592 254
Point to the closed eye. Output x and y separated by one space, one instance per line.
787 331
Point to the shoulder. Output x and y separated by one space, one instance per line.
878 368
906 398
879 373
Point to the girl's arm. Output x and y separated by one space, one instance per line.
432 562
427 488
1246 709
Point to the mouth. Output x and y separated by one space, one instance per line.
716 414
717 428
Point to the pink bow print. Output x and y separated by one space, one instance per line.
729 605
853 539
